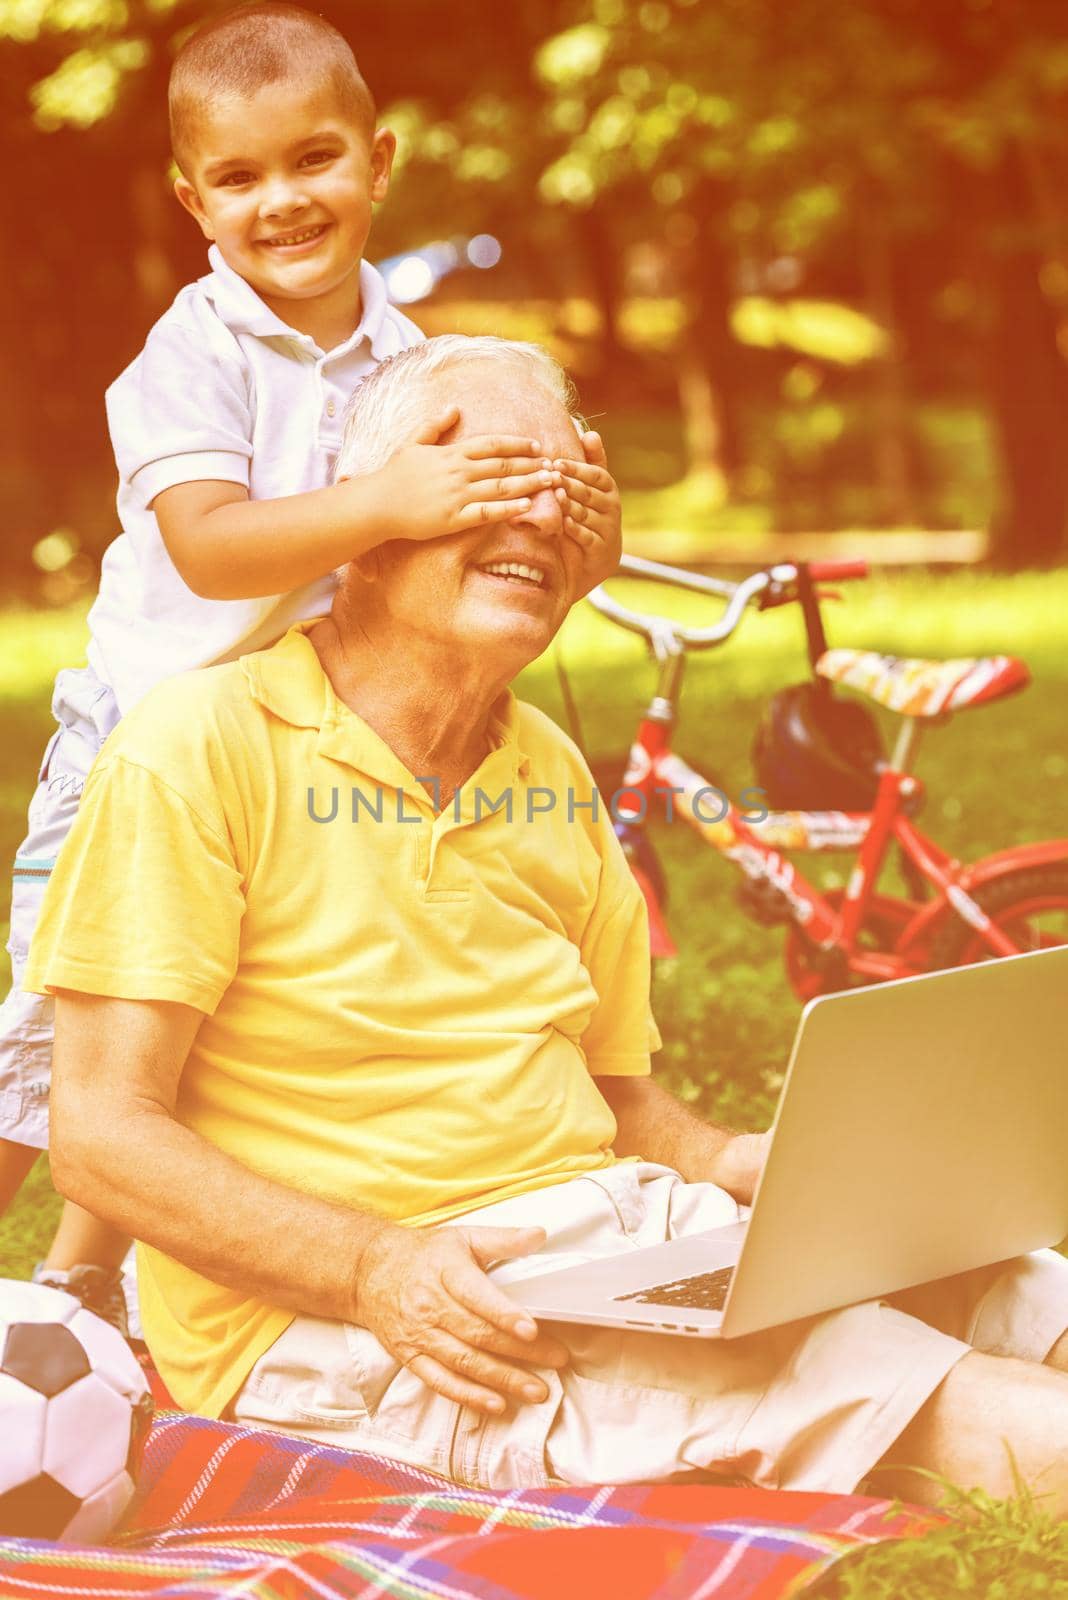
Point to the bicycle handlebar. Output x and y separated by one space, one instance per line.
666 636
661 631
836 571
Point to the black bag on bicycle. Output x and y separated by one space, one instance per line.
815 753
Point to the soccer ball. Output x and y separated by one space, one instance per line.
74 1411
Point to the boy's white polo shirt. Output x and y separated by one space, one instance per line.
223 389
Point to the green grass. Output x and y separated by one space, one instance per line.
996 777
990 1550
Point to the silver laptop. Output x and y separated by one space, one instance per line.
922 1130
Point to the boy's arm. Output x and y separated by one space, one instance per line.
228 547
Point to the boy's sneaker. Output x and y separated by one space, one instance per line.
98 1288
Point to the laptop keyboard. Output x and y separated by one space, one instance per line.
706 1291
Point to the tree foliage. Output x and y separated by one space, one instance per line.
742 160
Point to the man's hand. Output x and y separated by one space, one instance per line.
592 515
425 1295
737 1167
428 489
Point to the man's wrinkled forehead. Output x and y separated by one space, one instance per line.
498 400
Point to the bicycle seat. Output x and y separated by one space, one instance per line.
917 688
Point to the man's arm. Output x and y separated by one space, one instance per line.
654 1125
118 1149
649 1122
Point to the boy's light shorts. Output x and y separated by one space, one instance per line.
86 712
811 1406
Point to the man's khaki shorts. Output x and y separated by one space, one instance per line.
810 1406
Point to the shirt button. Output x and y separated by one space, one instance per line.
330 408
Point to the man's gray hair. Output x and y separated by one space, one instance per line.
391 403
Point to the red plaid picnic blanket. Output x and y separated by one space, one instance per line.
225 1511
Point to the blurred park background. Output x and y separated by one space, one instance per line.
808 262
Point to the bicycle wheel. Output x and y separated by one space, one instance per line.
1030 906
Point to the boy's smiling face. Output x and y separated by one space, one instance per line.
283 182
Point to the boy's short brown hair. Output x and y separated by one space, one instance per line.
240 51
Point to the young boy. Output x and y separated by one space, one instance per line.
225 430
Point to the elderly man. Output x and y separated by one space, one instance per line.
343 1039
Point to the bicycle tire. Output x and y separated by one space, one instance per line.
1044 888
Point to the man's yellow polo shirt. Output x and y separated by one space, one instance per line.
404 1014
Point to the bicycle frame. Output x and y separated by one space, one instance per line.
831 928
654 773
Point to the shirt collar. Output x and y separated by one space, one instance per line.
288 680
374 305
242 310
238 304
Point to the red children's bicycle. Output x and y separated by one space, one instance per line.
822 767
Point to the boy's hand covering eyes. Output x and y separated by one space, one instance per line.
428 489
592 514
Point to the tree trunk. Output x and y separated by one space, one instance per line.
150 209
702 425
709 362
715 345
891 445
1028 382
602 260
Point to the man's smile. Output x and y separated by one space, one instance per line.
516 572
